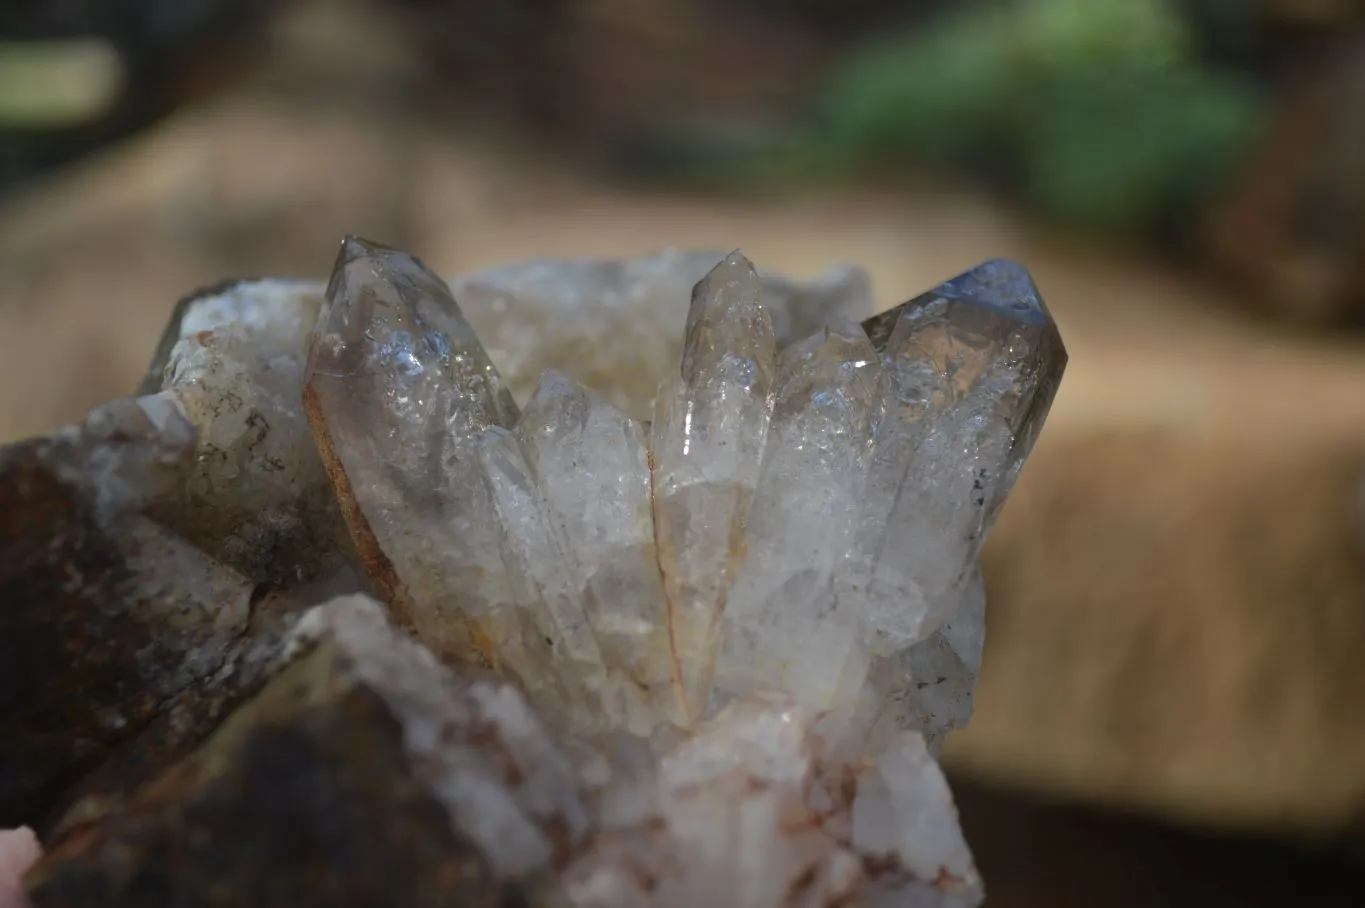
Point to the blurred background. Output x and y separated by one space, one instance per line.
1172 710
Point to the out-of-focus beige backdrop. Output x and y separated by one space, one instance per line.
1177 589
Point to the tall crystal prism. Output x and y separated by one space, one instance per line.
783 626
592 465
972 367
398 391
709 432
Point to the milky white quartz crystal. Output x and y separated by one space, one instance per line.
783 628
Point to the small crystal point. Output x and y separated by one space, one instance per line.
397 390
782 626
727 320
617 325
592 466
708 435
973 366
927 688
545 575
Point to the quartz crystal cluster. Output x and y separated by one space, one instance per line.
623 616
803 518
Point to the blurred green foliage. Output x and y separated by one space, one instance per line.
1097 112
1100 114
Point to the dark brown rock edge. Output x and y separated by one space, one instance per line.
94 643
306 796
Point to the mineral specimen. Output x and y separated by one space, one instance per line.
613 325
703 658
233 357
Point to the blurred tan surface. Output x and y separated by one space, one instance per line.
1176 624
1176 587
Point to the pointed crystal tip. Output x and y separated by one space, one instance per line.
1002 286
737 259
734 281
726 308
999 284
355 247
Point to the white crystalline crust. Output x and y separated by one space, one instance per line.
478 746
258 496
742 811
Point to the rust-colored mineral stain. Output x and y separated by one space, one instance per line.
674 663
947 882
376 564
485 646
799 889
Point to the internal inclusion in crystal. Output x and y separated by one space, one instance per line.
805 519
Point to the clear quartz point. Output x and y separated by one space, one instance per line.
550 601
783 627
398 391
592 465
972 367
708 436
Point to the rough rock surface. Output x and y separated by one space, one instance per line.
257 499
105 617
282 804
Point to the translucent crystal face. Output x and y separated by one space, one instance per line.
803 518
